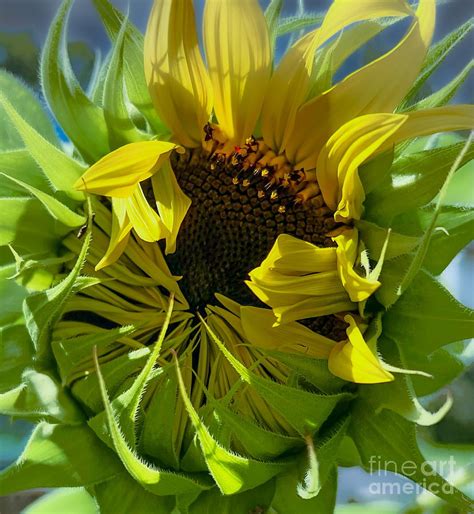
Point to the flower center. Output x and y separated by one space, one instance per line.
241 202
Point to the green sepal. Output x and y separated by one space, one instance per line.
57 209
16 353
43 309
376 171
20 164
52 459
70 105
427 317
293 24
286 499
414 181
303 410
435 57
158 481
386 440
272 15
231 472
123 495
253 501
48 157
73 353
134 74
40 396
72 501
20 95
122 129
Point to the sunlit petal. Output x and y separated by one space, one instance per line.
145 221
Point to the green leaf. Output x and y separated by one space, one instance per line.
134 74
58 210
376 171
70 501
435 57
305 411
43 309
295 23
385 440
82 120
21 165
23 98
51 459
40 396
16 353
254 501
158 481
122 130
414 181
287 501
231 472
272 15
123 495
445 94
49 158
427 317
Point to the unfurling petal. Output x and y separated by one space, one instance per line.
171 202
358 287
291 81
291 338
363 137
118 173
145 221
120 232
175 72
378 87
239 60
352 360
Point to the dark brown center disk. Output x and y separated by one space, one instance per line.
230 228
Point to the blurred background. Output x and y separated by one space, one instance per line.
23 28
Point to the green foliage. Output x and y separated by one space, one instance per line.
72 501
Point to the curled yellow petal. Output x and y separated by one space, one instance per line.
291 338
171 202
352 360
175 72
290 83
378 87
145 221
239 61
120 233
358 287
118 173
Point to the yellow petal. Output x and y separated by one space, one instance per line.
353 361
118 173
378 87
291 338
145 221
175 72
364 137
358 287
293 256
239 61
120 233
291 81
171 202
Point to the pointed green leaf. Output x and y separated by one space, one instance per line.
82 121
158 481
428 317
305 411
25 100
385 440
58 210
295 23
231 472
272 15
51 459
134 74
49 158
435 57
122 130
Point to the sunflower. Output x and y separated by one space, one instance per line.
225 313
